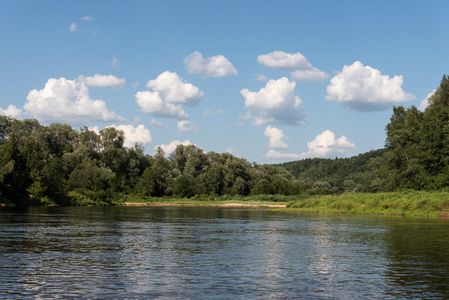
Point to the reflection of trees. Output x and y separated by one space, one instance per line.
177 252
418 251
59 250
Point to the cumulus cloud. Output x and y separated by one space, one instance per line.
169 148
169 95
73 27
214 66
184 126
276 137
275 103
323 145
11 111
67 101
174 90
363 88
134 135
296 63
285 61
424 103
87 18
99 80
152 103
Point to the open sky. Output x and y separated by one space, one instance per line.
269 81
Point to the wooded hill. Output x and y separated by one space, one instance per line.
355 174
55 164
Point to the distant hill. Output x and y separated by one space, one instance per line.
356 171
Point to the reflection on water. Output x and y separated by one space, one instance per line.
140 252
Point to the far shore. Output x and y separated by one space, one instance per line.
230 205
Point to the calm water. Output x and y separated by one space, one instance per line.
140 252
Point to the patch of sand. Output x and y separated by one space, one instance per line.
234 204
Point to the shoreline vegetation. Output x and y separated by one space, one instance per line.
57 165
406 203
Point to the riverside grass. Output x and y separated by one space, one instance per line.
205 200
406 203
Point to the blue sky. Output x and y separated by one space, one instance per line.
269 81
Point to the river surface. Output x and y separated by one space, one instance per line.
218 253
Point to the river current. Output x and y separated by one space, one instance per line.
218 253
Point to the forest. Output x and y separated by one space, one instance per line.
59 165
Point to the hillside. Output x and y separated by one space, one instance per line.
357 172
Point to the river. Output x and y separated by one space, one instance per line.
218 253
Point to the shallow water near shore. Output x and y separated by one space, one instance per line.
218 253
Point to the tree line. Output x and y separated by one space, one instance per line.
416 154
58 165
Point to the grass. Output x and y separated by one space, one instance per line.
259 200
407 203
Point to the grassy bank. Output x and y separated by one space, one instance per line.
407 203
258 200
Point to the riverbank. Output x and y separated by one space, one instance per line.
407 203
190 204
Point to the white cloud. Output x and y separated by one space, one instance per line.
365 89
99 80
11 111
114 62
296 63
170 93
230 150
323 145
87 18
423 105
134 135
275 154
276 137
169 148
285 61
312 74
275 103
156 123
184 126
213 111
152 103
174 90
135 84
67 101
73 27
214 66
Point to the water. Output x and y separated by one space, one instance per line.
218 253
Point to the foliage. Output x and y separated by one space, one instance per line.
330 176
407 202
57 165
417 145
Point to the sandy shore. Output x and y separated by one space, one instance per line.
233 205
